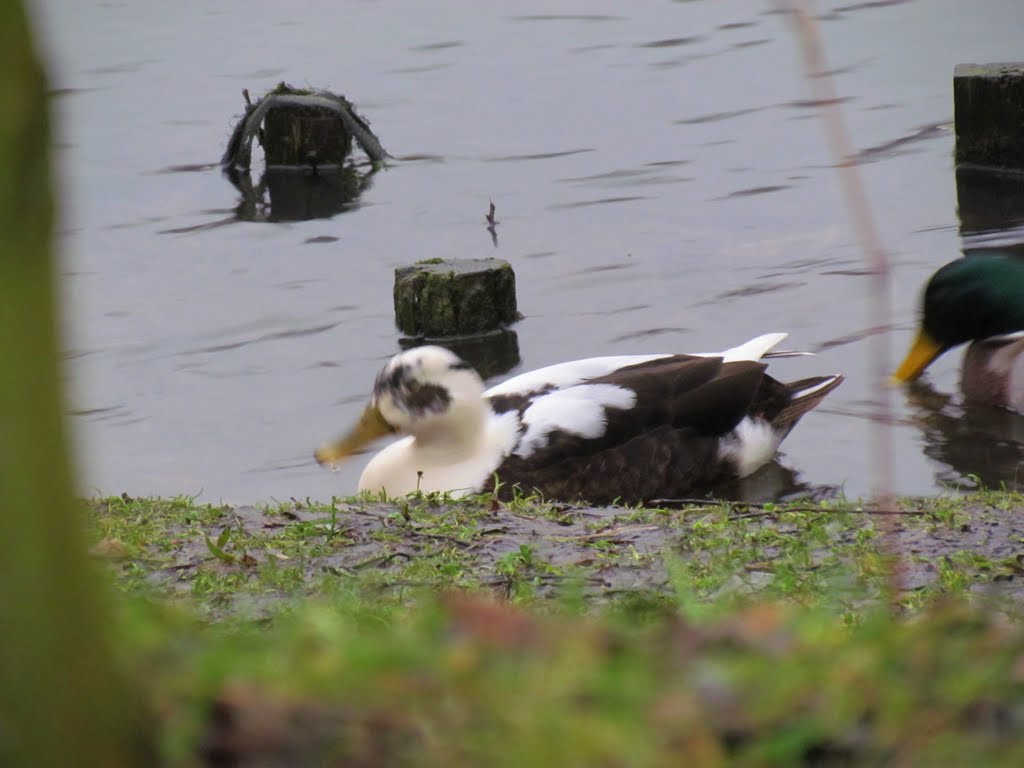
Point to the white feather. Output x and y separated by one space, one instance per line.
405 466
562 375
814 388
750 445
578 410
751 350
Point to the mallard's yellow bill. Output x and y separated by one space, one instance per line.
371 425
924 350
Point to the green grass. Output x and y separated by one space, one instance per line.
438 632
830 554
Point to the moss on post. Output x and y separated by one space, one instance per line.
988 101
454 297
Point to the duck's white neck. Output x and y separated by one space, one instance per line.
455 454
455 435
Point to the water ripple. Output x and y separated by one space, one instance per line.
537 156
602 201
867 4
672 42
276 336
715 117
890 148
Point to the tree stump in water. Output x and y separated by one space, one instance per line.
300 128
307 138
988 101
296 135
455 297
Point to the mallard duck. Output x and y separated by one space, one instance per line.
977 299
623 429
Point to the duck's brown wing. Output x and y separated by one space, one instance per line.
645 431
702 394
664 462
677 436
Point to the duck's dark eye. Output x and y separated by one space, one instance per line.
420 398
409 393
393 381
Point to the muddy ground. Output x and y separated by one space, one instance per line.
946 545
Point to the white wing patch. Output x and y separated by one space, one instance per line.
578 410
563 375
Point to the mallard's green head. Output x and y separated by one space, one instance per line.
975 297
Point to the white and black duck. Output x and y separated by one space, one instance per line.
623 429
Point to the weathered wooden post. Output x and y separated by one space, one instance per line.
463 304
988 103
300 128
307 138
455 297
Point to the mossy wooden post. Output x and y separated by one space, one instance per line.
988 101
60 697
455 297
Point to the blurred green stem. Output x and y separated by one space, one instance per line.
61 703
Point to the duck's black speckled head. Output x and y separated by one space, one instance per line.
422 391
422 383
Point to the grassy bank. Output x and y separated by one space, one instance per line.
832 553
462 633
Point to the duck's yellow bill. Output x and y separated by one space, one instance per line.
923 351
371 425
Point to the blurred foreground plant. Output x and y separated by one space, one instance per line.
61 701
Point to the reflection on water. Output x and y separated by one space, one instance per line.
774 481
977 445
299 195
990 203
491 354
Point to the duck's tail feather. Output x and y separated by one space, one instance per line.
754 349
805 395
776 353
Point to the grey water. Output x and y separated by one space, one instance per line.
661 178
